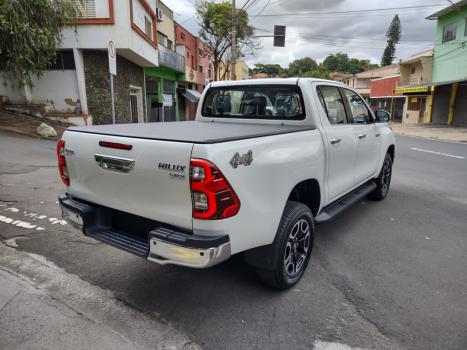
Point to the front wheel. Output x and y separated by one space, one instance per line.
383 180
291 248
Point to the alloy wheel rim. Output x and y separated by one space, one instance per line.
386 178
296 250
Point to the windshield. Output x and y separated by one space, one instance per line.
254 102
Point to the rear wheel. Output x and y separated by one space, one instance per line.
383 180
291 248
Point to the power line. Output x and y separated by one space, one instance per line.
260 12
349 11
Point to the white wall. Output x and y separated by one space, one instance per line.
54 87
14 94
121 33
57 89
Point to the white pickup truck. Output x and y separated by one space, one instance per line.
262 163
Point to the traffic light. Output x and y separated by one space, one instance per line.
279 36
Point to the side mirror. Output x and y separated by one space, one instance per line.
382 116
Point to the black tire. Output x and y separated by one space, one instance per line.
383 180
291 253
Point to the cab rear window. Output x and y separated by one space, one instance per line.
281 102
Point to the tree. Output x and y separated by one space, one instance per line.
301 66
30 32
272 70
393 35
216 26
338 62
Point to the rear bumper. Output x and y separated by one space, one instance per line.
154 241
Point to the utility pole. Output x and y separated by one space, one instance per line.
233 54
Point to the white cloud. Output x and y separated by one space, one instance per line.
361 36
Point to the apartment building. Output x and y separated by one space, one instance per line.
415 84
196 71
78 81
450 65
161 82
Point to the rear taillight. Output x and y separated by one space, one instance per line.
62 168
213 197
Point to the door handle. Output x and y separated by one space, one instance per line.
361 136
334 141
122 165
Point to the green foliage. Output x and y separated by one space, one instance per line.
309 68
216 31
340 62
301 66
30 32
393 35
272 70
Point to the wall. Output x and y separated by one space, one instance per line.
184 37
413 117
166 26
98 87
450 58
139 15
384 87
57 88
13 92
127 41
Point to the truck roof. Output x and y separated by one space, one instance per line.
269 81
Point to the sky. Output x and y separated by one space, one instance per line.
360 35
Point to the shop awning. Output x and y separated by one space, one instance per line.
191 95
412 89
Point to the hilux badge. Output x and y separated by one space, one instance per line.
245 159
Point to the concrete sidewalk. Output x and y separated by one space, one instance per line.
435 132
43 307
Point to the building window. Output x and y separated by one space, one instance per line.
449 32
170 44
465 30
162 39
414 104
200 52
182 36
200 68
412 70
148 27
86 8
192 61
64 61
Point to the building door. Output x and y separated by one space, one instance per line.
168 89
134 108
136 104
421 116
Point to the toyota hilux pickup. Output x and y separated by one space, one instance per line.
262 163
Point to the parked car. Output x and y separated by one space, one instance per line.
264 161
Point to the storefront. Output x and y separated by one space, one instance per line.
161 94
418 109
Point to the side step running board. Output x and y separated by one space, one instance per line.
122 241
341 204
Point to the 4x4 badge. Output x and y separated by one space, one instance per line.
244 159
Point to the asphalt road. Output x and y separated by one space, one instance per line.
390 274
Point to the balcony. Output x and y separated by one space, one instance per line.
171 59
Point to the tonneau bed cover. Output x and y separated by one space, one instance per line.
192 131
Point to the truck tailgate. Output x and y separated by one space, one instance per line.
153 182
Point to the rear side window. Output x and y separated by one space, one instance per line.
332 102
281 102
358 109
